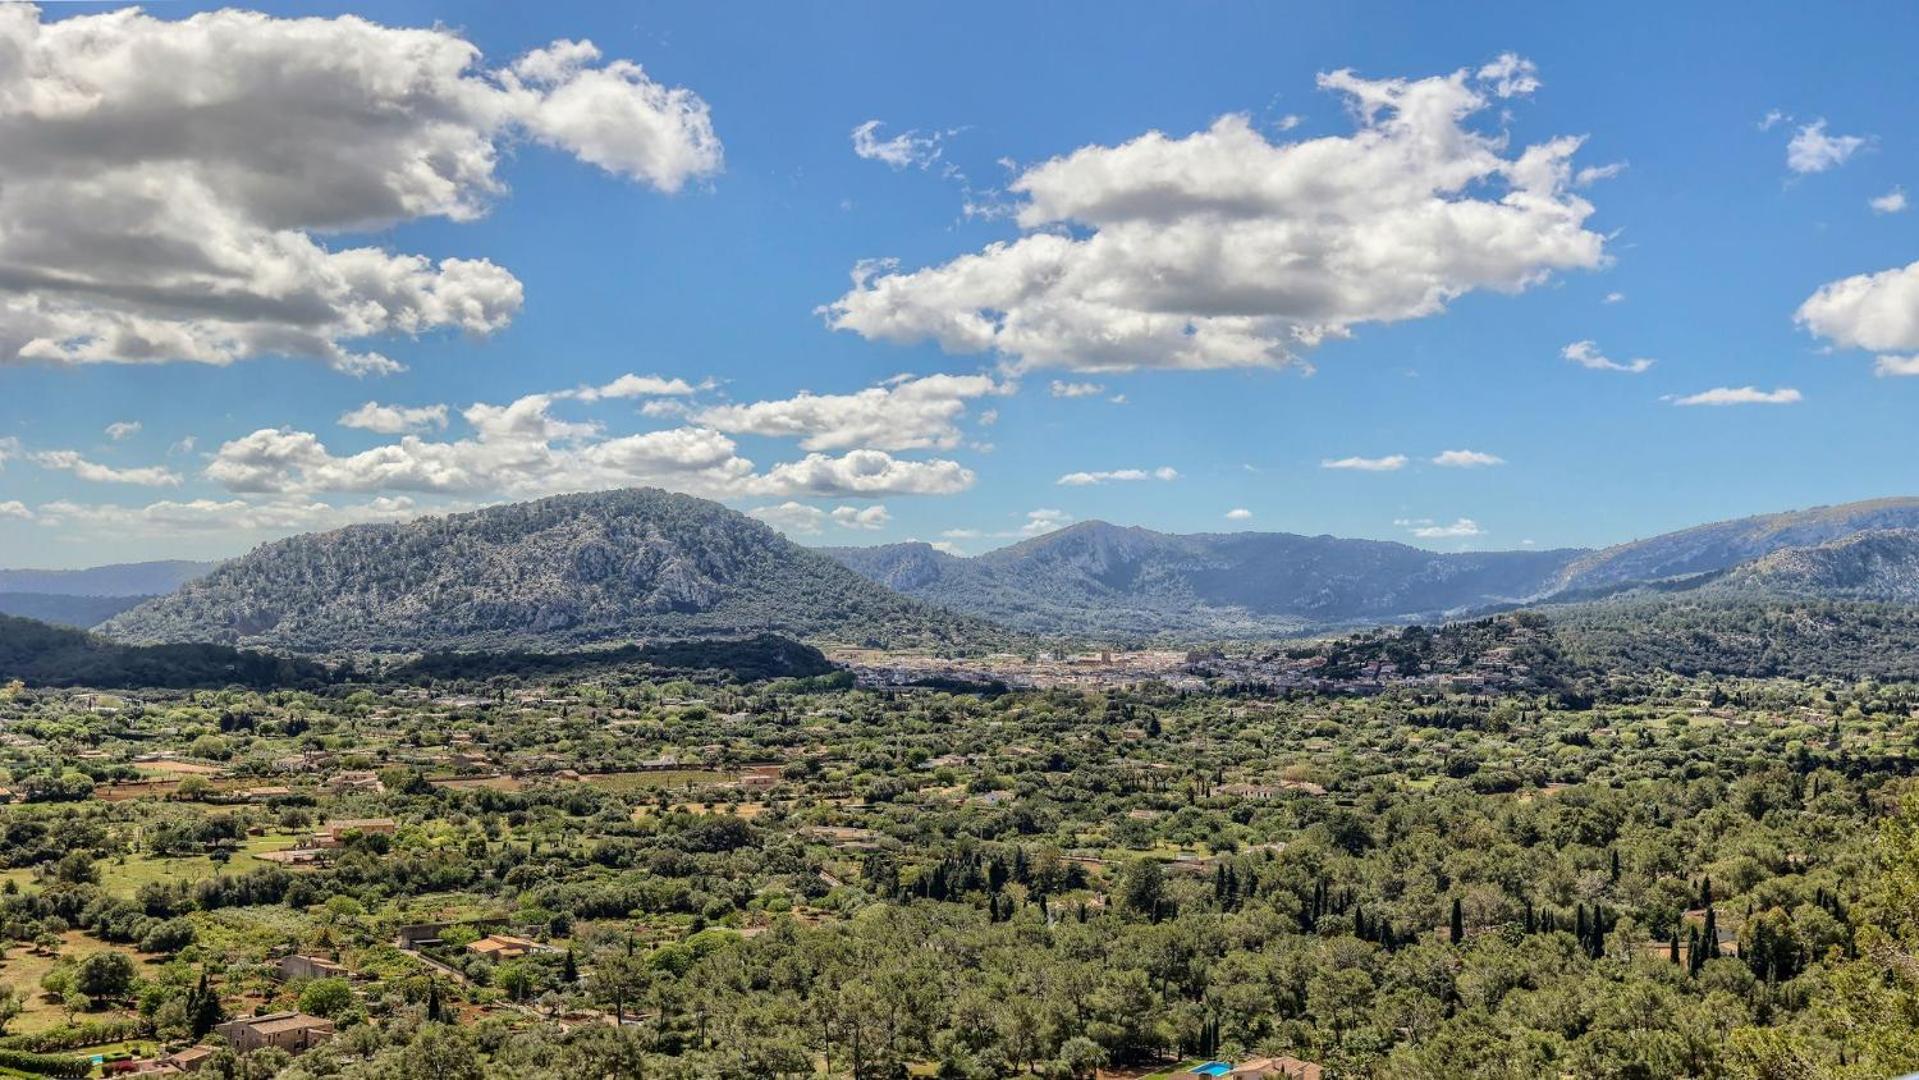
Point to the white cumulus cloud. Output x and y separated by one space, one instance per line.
1813 151
522 449
799 518
171 188
1877 312
1225 249
394 419
1892 202
905 413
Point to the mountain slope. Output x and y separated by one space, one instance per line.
1725 544
567 570
119 579
1878 566
1101 579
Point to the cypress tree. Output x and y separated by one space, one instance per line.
1457 931
203 1008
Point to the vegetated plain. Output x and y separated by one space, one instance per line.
1656 825
1464 852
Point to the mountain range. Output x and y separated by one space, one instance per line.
83 598
1096 579
582 570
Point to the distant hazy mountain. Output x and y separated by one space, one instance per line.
1726 544
1099 579
1096 578
78 612
572 569
120 579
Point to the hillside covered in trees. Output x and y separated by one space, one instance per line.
43 655
553 574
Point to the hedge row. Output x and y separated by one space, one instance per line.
45 1064
75 1036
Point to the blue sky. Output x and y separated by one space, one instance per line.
704 240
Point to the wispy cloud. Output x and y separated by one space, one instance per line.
1587 355
1428 529
1389 463
1076 389
908 149
1741 395
1466 459
1087 479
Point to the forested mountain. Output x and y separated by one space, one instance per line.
119 579
1723 633
572 569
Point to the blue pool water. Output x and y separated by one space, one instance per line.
1213 1068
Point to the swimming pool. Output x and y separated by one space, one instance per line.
1213 1068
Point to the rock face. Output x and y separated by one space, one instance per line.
564 571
